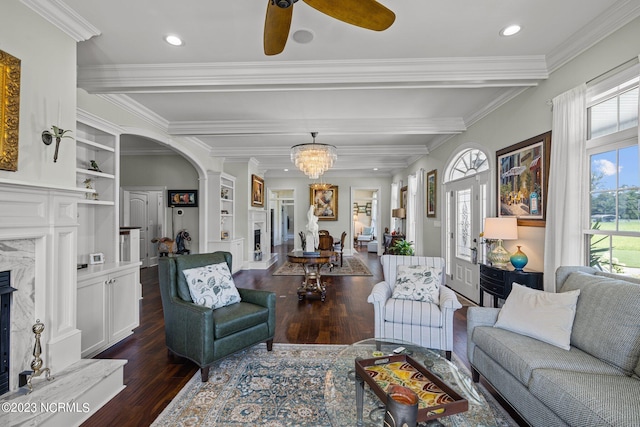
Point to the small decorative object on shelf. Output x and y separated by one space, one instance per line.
519 259
58 134
88 185
224 193
25 377
94 166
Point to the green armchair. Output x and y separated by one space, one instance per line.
204 335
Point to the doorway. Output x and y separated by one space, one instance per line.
144 208
466 200
282 209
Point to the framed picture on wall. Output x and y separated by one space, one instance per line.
403 197
325 203
182 198
9 111
432 186
257 191
523 178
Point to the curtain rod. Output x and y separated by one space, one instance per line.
623 65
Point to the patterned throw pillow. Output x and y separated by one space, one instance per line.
212 285
418 283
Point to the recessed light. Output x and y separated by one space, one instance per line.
375 169
302 36
510 30
286 170
173 40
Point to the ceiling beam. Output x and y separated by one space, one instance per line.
468 72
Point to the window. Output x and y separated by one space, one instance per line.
469 162
613 234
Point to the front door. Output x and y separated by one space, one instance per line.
466 208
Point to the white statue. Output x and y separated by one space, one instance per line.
313 237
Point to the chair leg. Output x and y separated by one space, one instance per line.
270 345
204 374
447 354
340 259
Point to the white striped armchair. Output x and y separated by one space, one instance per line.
426 324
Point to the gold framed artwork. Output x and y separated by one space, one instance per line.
523 180
403 198
325 203
257 191
432 195
9 111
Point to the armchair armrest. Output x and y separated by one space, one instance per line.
448 299
478 316
380 293
262 298
187 326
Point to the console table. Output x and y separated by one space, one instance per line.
498 281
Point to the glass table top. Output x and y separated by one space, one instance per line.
340 386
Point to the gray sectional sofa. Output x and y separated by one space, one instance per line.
595 383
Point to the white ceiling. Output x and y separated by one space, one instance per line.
383 98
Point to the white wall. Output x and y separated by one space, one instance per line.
48 81
172 171
345 206
526 116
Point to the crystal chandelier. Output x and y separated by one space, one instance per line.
313 159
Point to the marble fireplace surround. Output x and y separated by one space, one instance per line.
38 244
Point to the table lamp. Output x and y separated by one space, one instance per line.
500 229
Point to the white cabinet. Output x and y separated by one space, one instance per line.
107 309
222 205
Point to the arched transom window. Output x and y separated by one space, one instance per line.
469 162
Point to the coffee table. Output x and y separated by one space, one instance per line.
341 386
312 284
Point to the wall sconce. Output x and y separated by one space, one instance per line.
58 134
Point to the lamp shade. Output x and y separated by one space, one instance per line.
399 213
500 228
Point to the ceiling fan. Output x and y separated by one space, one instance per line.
367 14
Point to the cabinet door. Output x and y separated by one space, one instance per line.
123 304
92 319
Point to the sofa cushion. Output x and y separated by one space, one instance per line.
410 312
520 355
212 285
238 317
607 324
542 315
417 283
583 399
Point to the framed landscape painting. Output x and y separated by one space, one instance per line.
325 203
522 181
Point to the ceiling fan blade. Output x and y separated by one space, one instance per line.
367 14
276 28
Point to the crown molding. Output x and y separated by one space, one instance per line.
603 25
297 75
355 151
64 18
344 126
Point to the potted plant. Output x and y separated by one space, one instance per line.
403 247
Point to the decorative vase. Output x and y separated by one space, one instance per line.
499 256
402 407
519 259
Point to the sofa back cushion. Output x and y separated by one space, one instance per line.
606 324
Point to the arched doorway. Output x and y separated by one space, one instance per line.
466 184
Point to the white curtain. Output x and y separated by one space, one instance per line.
564 242
411 210
421 213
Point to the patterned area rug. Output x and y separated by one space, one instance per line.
352 266
284 387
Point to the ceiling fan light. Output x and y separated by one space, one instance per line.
510 30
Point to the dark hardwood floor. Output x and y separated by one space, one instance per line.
153 378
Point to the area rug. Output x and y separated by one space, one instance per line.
352 266
284 387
